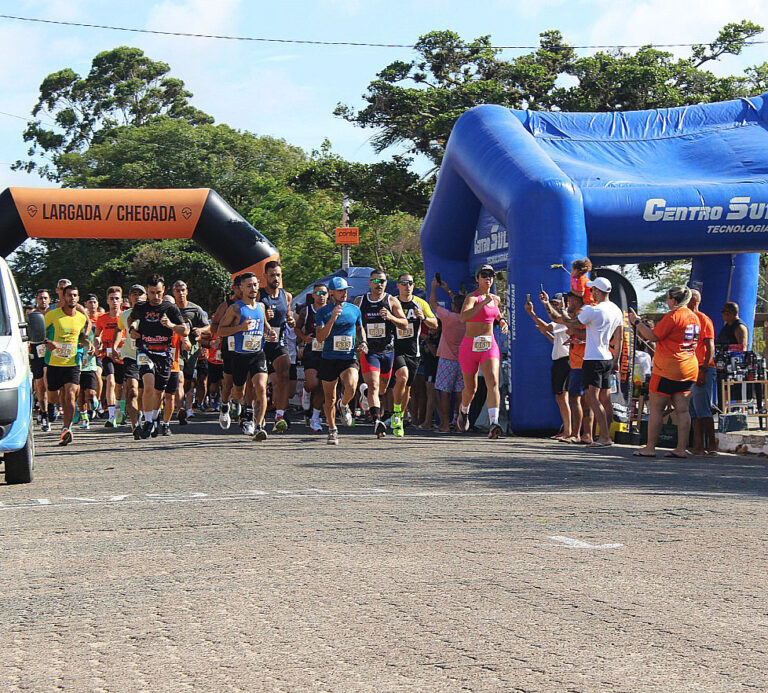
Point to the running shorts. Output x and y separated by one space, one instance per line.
59 376
331 369
381 362
470 359
409 362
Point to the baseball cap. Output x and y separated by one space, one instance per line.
338 284
485 268
139 288
558 296
602 284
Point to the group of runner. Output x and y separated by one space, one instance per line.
145 349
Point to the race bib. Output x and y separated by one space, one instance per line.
65 351
231 343
144 360
342 343
376 330
405 333
482 343
109 351
217 355
251 342
40 349
317 346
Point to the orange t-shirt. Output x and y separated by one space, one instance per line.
176 352
576 353
678 333
214 352
109 327
580 288
707 332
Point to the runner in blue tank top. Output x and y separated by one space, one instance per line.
339 325
246 321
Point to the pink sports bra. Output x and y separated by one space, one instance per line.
488 313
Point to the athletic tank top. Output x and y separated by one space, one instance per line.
279 305
379 332
488 313
728 334
228 343
251 341
310 329
407 339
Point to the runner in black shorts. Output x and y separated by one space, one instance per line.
125 346
312 353
37 362
227 346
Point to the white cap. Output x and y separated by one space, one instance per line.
601 283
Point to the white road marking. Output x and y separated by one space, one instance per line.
576 544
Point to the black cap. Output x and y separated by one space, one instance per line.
137 287
484 268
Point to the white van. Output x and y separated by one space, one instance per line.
17 444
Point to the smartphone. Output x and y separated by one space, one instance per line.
438 279
541 288
527 298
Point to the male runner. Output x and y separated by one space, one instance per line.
125 346
37 363
226 360
407 356
195 316
158 320
66 328
313 349
337 324
277 302
107 326
382 314
174 392
246 322
90 380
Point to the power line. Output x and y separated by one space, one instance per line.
333 43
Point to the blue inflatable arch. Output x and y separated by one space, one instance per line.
526 190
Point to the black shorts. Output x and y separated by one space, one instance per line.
272 352
226 362
188 365
202 368
311 359
245 366
597 374
409 362
664 386
160 367
293 373
89 380
173 383
215 372
561 371
331 369
430 367
38 368
130 370
59 376
110 367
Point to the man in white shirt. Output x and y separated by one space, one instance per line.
605 323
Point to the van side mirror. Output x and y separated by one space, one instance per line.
35 327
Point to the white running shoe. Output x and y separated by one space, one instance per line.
248 428
363 397
333 437
224 420
315 426
345 414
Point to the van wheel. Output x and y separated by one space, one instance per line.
19 464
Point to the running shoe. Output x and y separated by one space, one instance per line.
235 408
315 426
45 426
379 428
84 423
190 413
182 417
110 423
137 432
363 397
333 436
260 435
66 437
495 432
165 429
345 414
155 428
462 421
224 420
146 430
281 425
396 424
248 428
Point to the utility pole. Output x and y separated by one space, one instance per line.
345 205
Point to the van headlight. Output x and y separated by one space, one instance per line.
7 367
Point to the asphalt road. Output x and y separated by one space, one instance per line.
206 562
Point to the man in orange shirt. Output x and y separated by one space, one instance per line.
107 327
704 441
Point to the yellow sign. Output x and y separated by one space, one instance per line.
347 235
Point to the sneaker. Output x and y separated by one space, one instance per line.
260 435
155 428
462 421
333 436
495 432
190 413
281 425
345 414
315 426
183 417
66 437
248 428
165 429
363 397
137 432
45 426
84 423
224 420
397 426
146 430
234 409
110 423
379 428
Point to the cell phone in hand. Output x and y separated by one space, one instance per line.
438 279
527 298
541 288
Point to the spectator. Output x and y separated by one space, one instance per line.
580 270
448 379
675 368
560 372
734 330
704 441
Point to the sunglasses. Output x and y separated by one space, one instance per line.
378 281
321 293
487 275
407 282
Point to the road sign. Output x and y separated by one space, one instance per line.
347 235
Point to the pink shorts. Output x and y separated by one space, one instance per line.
470 360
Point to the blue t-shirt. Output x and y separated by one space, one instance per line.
251 341
340 344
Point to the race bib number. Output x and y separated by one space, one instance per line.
405 333
217 355
144 360
231 343
376 330
317 346
109 351
40 349
342 343
251 341
482 343
65 351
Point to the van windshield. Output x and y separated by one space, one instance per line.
5 325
